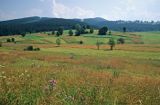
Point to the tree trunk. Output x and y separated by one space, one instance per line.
111 47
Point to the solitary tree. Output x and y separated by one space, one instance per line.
13 40
57 34
78 30
111 43
8 40
98 44
91 30
60 30
53 32
110 32
23 34
124 29
103 31
58 41
70 32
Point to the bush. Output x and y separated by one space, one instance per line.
91 30
58 41
53 32
29 48
111 43
37 49
81 42
120 41
8 40
13 40
23 34
70 32
103 31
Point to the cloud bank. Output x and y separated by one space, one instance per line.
62 11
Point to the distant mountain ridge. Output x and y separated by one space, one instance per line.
39 24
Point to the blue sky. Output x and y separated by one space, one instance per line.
108 9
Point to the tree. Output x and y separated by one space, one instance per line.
91 30
81 42
8 40
13 40
23 34
78 30
98 44
103 31
70 33
53 32
60 30
78 27
29 48
88 26
58 41
120 41
124 29
111 43
110 32
58 34
77 33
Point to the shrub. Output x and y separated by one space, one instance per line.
91 30
110 32
103 31
57 34
8 40
111 43
120 41
70 32
13 39
77 33
29 48
81 42
23 34
53 32
98 44
37 49
58 41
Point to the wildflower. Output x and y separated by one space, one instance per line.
49 88
52 84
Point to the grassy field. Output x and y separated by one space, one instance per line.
79 74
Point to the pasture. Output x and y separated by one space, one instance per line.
79 74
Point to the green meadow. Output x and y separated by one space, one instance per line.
77 73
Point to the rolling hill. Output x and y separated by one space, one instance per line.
35 24
41 24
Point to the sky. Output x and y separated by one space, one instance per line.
145 10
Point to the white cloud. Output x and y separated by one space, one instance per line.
63 11
133 10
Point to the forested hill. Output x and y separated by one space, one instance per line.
38 24
35 24
118 25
